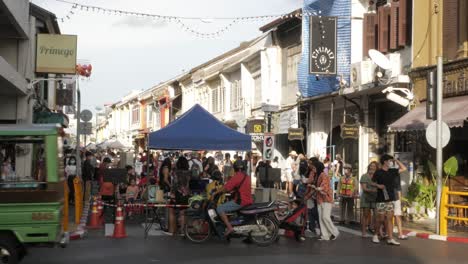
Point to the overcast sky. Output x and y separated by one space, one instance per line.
137 53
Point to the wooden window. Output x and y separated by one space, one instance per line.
369 33
236 95
450 29
217 99
258 90
403 21
136 114
384 28
394 18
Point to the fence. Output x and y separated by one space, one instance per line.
445 206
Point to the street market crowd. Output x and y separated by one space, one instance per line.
310 182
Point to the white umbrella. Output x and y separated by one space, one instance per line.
114 144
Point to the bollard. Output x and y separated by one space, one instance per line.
443 211
66 193
78 200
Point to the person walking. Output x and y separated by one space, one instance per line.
368 197
70 171
88 172
324 201
311 199
386 178
290 169
348 191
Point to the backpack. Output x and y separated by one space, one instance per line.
303 167
301 190
107 189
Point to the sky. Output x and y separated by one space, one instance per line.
129 53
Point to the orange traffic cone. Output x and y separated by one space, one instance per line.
95 222
119 227
100 209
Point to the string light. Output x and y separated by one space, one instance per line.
180 20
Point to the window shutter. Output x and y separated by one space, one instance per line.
450 29
394 18
403 23
383 33
370 38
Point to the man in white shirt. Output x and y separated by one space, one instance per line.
290 168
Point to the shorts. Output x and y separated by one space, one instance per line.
384 207
366 204
227 207
397 208
289 176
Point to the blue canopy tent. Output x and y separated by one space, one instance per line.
197 129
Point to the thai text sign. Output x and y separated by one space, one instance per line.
56 53
350 131
296 134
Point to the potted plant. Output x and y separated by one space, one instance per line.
427 198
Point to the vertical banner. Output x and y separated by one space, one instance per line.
322 53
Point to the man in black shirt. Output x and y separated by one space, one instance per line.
386 180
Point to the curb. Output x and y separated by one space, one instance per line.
80 231
409 233
435 237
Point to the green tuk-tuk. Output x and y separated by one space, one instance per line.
31 189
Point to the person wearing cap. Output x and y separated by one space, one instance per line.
347 191
290 169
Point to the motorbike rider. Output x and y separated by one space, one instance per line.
240 186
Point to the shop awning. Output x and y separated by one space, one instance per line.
454 113
50 118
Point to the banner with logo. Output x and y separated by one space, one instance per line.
322 45
56 53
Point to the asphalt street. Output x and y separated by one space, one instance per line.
347 248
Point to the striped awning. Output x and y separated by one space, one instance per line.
454 114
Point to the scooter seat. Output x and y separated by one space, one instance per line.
257 206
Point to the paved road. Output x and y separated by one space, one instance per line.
162 249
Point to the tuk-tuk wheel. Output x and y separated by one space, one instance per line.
8 250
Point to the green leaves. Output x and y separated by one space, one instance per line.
451 167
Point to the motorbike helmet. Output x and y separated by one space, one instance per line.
239 165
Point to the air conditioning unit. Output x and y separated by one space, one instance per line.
395 59
362 73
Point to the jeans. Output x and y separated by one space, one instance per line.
327 228
314 221
227 207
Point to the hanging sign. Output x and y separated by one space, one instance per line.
296 134
349 131
268 146
56 53
322 58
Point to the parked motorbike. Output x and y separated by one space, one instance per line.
255 222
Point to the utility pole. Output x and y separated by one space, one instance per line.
77 114
439 138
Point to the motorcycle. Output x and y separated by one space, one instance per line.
255 222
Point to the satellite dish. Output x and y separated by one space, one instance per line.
380 59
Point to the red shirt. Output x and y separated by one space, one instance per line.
244 190
326 195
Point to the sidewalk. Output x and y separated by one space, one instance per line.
422 228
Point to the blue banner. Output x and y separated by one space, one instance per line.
311 84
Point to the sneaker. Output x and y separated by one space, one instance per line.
375 239
392 242
302 239
403 237
167 233
323 239
333 237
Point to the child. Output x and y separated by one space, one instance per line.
293 220
132 192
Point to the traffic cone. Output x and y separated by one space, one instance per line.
100 208
119 227
95 222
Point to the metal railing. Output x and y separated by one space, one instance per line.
445 206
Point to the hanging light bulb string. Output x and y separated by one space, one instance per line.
181 20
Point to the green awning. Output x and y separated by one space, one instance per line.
50 118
